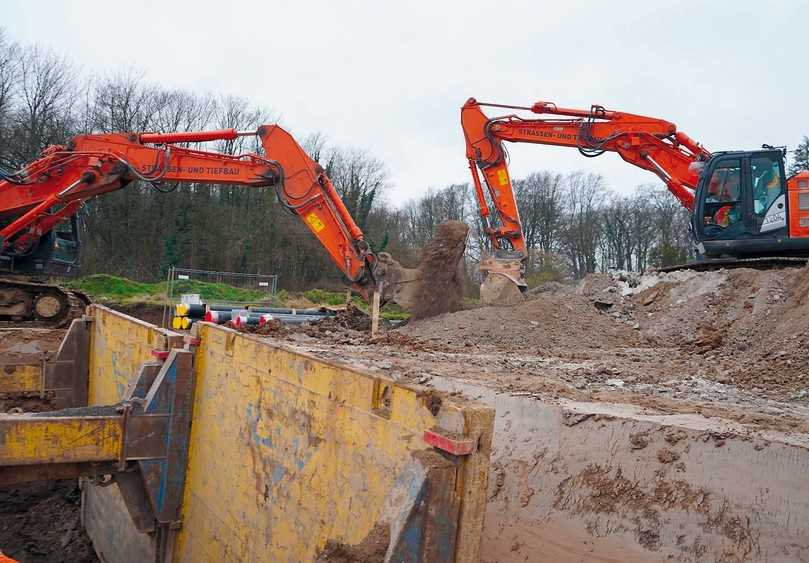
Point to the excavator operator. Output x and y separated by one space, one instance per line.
725 187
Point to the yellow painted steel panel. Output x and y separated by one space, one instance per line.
26 440
119 344
288 452
21 378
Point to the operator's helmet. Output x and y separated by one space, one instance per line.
774 178
722 216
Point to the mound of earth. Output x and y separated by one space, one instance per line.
743 328
40 522
545 322
751 325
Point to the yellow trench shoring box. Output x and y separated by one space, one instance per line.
291 456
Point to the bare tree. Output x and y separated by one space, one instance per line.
586 195
670 224
43 114
9 74
617 241
359 179
540 201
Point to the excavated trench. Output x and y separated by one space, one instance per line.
639 418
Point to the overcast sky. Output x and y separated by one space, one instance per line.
390 77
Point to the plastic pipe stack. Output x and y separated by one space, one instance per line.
186 314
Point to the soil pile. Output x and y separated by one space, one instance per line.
371 550
546 322
699 334
750 325
441 290
40 523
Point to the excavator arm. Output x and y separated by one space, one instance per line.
53 187
649 143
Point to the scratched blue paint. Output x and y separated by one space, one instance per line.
407 547
411 477
278 473
253 422
120 382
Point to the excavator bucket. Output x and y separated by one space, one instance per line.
503 282
436 286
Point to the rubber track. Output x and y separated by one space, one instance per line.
765 263
77 301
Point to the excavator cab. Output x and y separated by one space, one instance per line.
56 254
741 207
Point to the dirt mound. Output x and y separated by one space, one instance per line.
351 318
543 323
372 549
727 335
40 523
440 271
750 324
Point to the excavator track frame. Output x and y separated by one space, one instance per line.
758 263
33 294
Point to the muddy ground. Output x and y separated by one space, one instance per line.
39 522
726 343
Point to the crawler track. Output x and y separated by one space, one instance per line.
765 263
38 304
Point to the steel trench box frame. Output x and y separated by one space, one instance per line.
62 379
141 442
287 454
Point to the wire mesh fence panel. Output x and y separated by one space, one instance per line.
221 288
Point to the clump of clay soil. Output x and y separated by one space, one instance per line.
371 550
441 290
351 318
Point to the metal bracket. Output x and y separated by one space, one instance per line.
63 379
142 442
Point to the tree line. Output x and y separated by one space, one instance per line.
574 224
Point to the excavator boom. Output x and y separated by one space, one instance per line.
649 143
52 188
741 206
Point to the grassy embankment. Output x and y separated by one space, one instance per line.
114 289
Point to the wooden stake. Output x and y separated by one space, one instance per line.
348 296
375 312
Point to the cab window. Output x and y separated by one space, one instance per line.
723 201
768 185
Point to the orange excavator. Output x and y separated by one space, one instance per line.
38 205
743 208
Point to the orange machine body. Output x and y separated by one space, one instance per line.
650 143
798 205
54 186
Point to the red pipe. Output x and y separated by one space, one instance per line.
192 136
